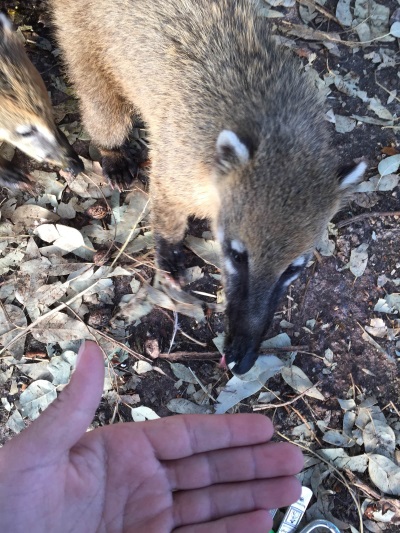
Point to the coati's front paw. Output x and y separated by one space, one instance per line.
170 259
14 178
119 168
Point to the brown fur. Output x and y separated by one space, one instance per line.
24 103
194 68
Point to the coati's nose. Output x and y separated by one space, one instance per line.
74 164
240 363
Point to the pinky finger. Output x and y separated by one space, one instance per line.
256 522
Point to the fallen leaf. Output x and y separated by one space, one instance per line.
208 250
339 458
182 406
183 373
358 260
389 165
237 390
338 438
297 379
385 474
36 398
379 438
142 413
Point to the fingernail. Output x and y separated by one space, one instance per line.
80 351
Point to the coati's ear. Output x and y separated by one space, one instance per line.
351 175
5 26
231 152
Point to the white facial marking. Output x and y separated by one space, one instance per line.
231 365
24 129
290 280
354 176
220 235
47 134
300 261
229 266
229 139
238 246
42 144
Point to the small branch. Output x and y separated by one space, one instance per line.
190 356
374 214
214 356
263 406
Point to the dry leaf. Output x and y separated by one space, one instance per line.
297 379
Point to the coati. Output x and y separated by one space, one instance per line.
237 136
26 119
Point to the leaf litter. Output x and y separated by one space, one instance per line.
51 294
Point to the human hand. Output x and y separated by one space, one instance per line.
189 473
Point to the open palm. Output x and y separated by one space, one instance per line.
185 473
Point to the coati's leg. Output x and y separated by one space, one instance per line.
107 117
12 177
169 226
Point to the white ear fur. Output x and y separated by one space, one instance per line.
354 176
230 151
5 22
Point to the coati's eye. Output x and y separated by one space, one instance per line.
26 131
237 252
237 257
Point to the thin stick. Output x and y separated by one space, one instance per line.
262 407
373 214
201 356
133 229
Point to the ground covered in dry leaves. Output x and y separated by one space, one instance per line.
76 261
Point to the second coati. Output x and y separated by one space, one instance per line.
237 135
26 119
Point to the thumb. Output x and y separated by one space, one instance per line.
63 423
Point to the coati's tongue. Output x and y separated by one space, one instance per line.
222 362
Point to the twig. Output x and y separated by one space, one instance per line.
261 407
202 356
122 346
121 250
190 356
373 214
174 332
203 388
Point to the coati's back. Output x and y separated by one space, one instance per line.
237 135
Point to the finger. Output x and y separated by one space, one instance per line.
218 501
182 436
256 522
274 459
62 424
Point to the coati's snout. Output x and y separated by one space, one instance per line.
250 310
44 142
26 117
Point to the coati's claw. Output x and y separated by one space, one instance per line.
170 258
119 168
